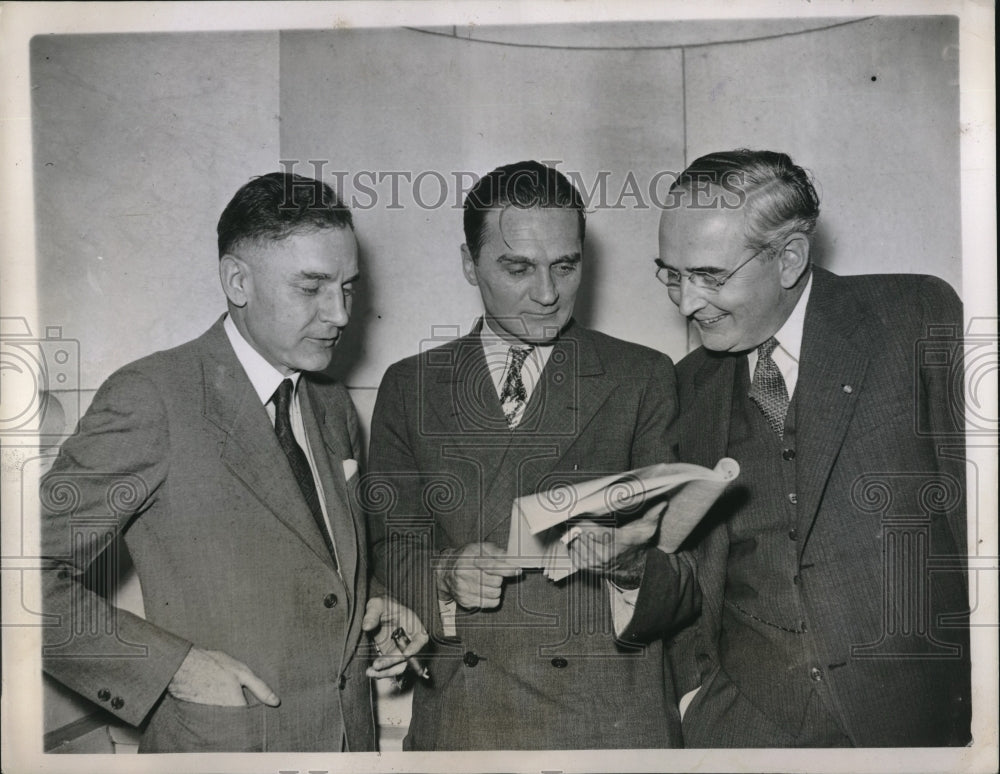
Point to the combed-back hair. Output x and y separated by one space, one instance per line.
276 205
524 184
778 196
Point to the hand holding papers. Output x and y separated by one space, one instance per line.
533 542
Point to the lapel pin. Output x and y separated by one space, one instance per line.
847 388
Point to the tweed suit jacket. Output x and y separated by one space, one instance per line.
178 456
543 670
880 480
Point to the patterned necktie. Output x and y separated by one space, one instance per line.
282 399
768 389
513 396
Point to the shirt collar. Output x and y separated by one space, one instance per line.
494 342
264 377
789 335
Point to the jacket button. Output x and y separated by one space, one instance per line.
104 694
788 455
793 534
342 682
816 674
797 579
117 703
470 659
793 498
559 662
330 600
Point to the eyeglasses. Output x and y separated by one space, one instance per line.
703 280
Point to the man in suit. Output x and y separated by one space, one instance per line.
832 595
529 398
228 465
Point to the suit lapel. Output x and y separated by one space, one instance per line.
330 449
249 447
832 369
571 392
704 439
331 446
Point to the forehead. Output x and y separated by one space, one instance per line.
331 251
696 236
532 229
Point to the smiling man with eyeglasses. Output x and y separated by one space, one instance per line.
822 621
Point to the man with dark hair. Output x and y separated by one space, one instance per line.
228 464
527 399
832 595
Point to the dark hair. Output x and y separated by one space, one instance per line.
276 205
524 184
778 195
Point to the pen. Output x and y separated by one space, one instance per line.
402 640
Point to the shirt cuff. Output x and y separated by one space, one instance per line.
622 606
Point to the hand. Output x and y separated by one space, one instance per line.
604 549
214 677
383 617
474 576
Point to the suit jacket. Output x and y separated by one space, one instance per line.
543 670
178 455
880 517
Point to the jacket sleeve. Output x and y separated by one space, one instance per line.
106 477
941 372
668 597
399 524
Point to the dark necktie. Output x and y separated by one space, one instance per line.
768 389
513 396
297 458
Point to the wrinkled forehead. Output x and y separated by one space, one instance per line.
534 227
711 228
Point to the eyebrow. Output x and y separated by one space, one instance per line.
698 269
320 276
573 258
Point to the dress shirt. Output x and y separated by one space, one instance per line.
786 355
497 351
265 379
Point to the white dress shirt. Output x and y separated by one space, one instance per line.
497 351
265 379
789 350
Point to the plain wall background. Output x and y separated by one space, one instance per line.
140 140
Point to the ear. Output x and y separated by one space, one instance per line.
794 259
469 266
234 274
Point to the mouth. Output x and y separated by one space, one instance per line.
326 341
708 322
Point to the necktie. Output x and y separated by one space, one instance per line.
513 396
768 389
297 458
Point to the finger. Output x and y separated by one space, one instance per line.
373 614
496 562
380 672
260 689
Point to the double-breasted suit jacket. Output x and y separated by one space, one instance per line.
543 670
179 456
878 538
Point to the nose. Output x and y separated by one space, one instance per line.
689 299
544 290
335 308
